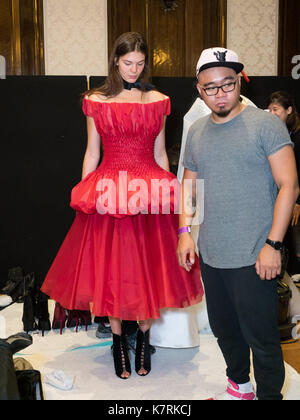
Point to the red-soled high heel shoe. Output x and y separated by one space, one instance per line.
59 318
76 318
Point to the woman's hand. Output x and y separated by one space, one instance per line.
296 214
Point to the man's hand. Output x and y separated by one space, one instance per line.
268 263
186 251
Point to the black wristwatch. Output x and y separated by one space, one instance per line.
275 244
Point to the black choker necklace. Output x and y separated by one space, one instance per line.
129 86
137 85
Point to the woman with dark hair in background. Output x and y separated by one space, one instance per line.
120 253
283 106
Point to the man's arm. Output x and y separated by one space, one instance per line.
186 245
283 166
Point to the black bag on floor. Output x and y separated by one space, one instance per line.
284 319
30 385
284 296
8 383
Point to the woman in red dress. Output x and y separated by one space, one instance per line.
120 253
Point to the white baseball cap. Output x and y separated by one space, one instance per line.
218 57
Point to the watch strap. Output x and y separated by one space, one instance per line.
275 244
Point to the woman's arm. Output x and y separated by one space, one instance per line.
160 153
92 153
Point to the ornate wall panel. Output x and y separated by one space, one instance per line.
252 33
77 33
75 37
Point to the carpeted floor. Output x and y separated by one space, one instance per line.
177 374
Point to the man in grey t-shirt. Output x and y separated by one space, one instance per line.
244 156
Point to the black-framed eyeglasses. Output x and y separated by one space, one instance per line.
213 91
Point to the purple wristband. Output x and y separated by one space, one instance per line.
184 229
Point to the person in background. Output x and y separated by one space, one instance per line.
282 105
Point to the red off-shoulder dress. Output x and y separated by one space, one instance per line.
120 252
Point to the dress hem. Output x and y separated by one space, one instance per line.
126 317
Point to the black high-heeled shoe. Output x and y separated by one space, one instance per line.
142 352
26 293
120 355
28 317
18 342
42 312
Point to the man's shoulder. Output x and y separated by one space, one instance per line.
262 116
199 124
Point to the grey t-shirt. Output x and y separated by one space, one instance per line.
239 189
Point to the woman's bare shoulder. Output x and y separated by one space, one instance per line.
155 95
96 97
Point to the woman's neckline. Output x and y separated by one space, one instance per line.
127 102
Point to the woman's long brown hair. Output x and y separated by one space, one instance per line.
126 43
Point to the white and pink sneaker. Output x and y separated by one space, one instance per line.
235 392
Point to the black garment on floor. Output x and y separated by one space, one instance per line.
243 315
9 390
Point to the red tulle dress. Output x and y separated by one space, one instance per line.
120 252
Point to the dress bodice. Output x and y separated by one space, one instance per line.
127 119
128 132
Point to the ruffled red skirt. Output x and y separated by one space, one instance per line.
127 268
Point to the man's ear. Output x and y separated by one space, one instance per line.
198 88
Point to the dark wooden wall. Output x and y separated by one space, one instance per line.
175 37
289 35
22 36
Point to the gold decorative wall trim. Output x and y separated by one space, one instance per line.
39 60
16 60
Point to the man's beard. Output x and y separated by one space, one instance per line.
223 114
